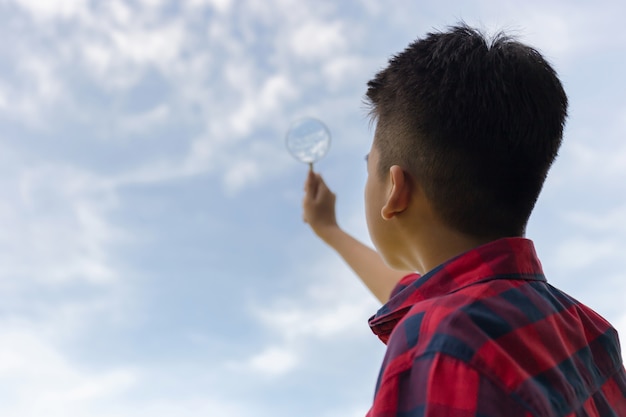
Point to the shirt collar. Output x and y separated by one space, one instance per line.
508 258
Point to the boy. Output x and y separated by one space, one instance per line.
467 129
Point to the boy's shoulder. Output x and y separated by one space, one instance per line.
525 335
504 311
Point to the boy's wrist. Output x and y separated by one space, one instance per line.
328 233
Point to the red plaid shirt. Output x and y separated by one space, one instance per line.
485 335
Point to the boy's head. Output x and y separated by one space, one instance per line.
476 122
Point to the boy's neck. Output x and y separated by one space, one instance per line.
431 248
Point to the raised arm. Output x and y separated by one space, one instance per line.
319 212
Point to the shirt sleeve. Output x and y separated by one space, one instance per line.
440 385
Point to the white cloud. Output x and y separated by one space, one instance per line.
204 406
160 46
340 69
117 44
276 91
119 11
38 379
109 69
613 220
330 309
319 39
358 410
49 205
145 121
154 4
552 32
563 32
121 44
251 113
64 9
259 105
201 154
3 97
273 361
594 161
239 174
37 89
580 252
322 316
41 74
222 6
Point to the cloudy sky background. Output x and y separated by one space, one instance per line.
153 260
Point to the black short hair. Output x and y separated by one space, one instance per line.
477 121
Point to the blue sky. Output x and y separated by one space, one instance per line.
153 260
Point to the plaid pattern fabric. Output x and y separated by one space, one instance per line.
485 335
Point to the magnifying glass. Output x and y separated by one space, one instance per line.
308 140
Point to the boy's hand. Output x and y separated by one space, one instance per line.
318 206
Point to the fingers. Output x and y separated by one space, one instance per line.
310 191
310 185
318 204
314 186
322 188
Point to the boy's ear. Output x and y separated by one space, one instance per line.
399 193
